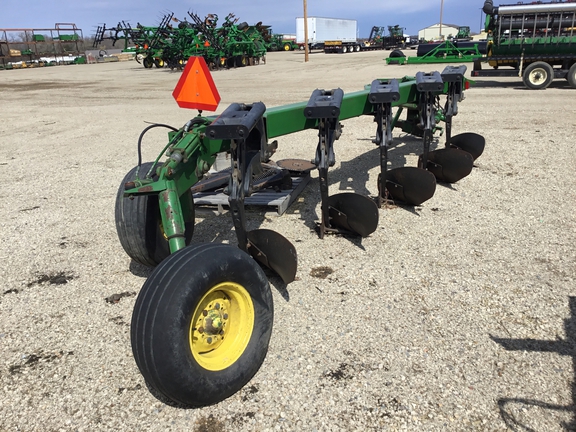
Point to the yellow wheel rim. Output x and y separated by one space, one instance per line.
286 47
221 326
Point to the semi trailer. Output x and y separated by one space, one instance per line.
535 41
329 34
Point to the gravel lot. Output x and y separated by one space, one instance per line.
456 315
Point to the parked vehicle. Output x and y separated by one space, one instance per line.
329 34
534 41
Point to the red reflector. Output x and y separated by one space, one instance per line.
196 88
467 85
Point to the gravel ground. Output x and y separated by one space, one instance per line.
459 314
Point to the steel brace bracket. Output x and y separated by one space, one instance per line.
382 94
324 106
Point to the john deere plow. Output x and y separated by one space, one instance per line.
203 319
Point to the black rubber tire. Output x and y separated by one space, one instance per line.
397 53
241 61
138 223
159 63
163 315
571 77
148 62
538 75
287 47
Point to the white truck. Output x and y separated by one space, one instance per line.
330 34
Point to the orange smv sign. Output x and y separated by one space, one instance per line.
196 88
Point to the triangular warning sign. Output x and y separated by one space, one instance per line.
196 88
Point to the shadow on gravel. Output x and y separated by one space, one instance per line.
140 270
566 347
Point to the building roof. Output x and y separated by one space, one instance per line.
443 25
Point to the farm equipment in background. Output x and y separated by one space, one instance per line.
203 319
536 42
148 41
463 34
449 51
151 41
378 40
395 38
173 41
122 32
277 42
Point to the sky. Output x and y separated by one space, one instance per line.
413 15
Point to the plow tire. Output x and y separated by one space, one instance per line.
538 75
202 323
139 224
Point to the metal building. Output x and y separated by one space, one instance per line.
433 32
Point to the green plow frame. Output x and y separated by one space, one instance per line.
446 52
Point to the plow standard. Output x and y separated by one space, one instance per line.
203 319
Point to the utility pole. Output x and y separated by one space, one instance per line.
305 31
441 10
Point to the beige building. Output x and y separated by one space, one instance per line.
433 32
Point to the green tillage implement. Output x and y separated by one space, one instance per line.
203 319
446 52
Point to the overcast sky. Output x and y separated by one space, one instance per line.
413 15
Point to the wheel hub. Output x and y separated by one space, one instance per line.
221 326
537 76
214 320
210 326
